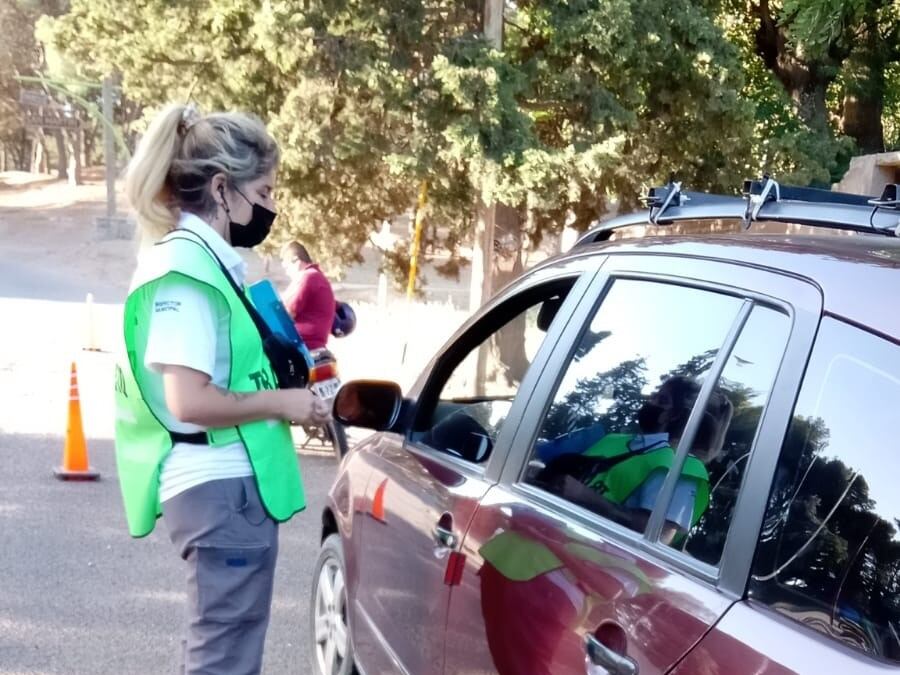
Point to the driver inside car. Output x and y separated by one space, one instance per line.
621 475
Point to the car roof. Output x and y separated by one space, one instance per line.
858 274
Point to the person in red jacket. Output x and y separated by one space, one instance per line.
309 298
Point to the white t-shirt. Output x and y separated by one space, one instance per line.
190 327
681 508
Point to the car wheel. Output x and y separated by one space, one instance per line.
338 437
332 651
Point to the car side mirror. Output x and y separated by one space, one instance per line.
370 404
548 311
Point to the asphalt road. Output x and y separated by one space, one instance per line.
78 596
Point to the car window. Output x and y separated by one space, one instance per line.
734 412
829 550
473 392
609 435
496 368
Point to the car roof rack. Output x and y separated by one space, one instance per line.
758 192
764 200
658 199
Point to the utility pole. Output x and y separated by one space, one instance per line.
481 286
417 241
109 150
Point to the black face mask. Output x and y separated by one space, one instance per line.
255 231
648 418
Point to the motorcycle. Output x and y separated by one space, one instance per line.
325 382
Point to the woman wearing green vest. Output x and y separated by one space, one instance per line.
202 432
621 475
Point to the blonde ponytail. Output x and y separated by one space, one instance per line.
146 182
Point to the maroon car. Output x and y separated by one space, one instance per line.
671 454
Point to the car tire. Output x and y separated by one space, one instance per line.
329 626
338 436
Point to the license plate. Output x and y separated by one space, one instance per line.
327 389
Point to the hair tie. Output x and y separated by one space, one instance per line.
189 117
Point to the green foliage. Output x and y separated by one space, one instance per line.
18 56
23 54
892 108
819 24
813 45
785 144
588 103
368 99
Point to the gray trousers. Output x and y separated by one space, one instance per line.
230 545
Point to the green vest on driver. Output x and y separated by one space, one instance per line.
142 442
621 480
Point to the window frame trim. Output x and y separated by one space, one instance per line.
800 299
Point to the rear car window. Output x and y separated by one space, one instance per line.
829 550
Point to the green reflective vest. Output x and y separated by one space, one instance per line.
620 481
142 442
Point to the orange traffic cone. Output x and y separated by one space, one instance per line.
75 457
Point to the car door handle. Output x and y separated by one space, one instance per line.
601 656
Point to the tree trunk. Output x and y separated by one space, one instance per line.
805 81
38 152
89 141
82 146
807 86
19 149
864 89
808 90
62 162
510 340
74 156
41 156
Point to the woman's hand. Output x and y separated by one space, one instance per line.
301 406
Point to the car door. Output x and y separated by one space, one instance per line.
425 485
555 586
823 593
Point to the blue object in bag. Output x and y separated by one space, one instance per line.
273 312
572 443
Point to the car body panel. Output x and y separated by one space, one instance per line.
804 302
752 639
857 273
513 625
402 599
344 509
600 576
606 577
